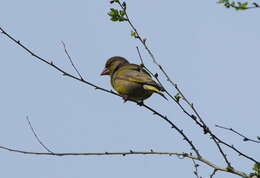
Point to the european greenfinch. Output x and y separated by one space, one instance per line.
131 81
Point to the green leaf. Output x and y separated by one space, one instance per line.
227 5
122 12
133 34
244 5
177 97
222 1
256 167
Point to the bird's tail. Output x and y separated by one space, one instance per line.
154 89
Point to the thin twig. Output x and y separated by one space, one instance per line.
213 173
141 59
64 46
236 132
196 169
36 136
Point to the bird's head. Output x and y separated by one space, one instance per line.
112 64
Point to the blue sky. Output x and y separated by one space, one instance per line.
210 51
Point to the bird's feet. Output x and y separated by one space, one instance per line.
140 103
125 98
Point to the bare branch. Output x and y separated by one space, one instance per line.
36 136
196 169
131 152
64 46
213 173
236 132
141 59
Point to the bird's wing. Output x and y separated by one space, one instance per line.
135 73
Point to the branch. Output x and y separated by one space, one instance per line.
184 155
36 136
213 173
196 169
245 139
64 46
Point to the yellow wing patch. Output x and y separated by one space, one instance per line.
149 87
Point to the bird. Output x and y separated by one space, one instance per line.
131 81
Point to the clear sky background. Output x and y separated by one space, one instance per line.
210 51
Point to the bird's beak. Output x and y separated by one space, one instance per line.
105 71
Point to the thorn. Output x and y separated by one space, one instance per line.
193 116
206 130
106 153
144 40
18 41
131 151
123 154
245 139
156 75
151 150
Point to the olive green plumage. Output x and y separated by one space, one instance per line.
130 80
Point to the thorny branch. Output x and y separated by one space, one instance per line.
196 172
131 152
245 139
196 116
